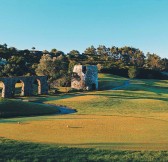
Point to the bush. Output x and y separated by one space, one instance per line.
142 73
54 91
75 90
132 72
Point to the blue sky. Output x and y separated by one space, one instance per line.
78 24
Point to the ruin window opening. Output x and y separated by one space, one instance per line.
84 69
75 76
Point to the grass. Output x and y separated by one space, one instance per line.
13 108
41 152
134 117
140 98
105 132
108 81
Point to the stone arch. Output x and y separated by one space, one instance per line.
22 91
3 88
27 85
38 83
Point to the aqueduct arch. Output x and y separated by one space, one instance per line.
22 88
27 87
3 87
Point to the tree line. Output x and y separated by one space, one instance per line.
125 61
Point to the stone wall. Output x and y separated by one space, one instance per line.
85 77
8 90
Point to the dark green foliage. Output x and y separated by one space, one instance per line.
16 66
90 51
112 60
53 67
153 62
116 71
144 73
24 151
11 108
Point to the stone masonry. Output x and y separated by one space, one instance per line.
8 90
85 77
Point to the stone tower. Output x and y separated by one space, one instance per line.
85 77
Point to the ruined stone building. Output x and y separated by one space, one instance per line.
8 85
85 77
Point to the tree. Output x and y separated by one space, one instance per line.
132 72
74 52
45 65
5 46
52 67
90 51
59 53
71 66
33 48
16 66
138 58
45 52
153 61
103 52
99 67
54 51
115 55
164 63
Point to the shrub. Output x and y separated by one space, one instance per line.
132 72
75 90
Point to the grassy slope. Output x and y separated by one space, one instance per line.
141 98
12 108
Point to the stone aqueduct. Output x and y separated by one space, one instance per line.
8 85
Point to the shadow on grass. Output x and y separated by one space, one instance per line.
128 96
125 146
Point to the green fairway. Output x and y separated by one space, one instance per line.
139 98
